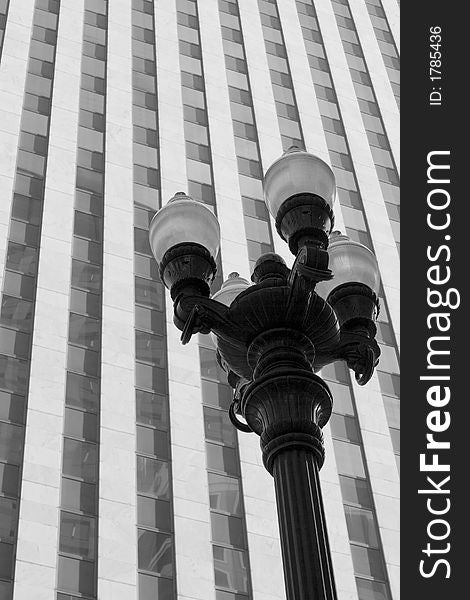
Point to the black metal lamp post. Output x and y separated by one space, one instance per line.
274 335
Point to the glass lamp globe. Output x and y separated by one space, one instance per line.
230 289
183 220
297 172
351 262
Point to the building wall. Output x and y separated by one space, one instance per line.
151 43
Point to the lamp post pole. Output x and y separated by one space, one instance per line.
274 335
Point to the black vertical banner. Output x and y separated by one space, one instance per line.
435 258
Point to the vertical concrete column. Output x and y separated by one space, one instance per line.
194 563
117 542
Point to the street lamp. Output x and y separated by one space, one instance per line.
274 335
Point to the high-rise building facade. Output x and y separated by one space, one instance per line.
121 475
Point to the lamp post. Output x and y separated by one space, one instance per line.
274 335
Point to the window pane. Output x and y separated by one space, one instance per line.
84 331
76 576
228 530
151 378
154 513
8 519
218 427
151 409
11 407
224 494
85 303
152 441
149 293
355 491
221 458
78 495
342 399
152 477
150 348
83 361
13 374
77 535
230 569
155 588
210 368
79 460
151 320
367 562
371 590
155 552
361 526
11 442
8 479
216 394
219 595
345 428
349 459
81 424
6 555
82 392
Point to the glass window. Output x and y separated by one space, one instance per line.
367 562
155 552
257 230
76 576
222 458
389 384
22 258
84 331
88 202
154 513
230 569
224 494
342 399
151 588
8 479
77 535
6 556
371 590
85 303
395 436
82 392
86 276
151 378
210 368
8 519
83 361
361 526
78 495
16 313
80 460
152 477
355 491
11 442
345 427
151 409
13 374
151 320
228 530
198 171
24 233
81 424
152 441
216 394
12 407
392 409
218 427
349 459
150 348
